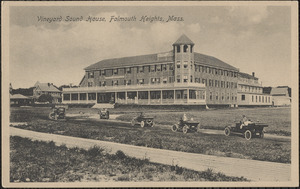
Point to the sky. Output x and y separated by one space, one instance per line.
250 38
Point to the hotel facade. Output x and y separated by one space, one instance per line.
180 76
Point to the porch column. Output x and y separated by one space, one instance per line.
148 97
116 97
174 96
188 95
78 98
125 97
160 96
96 97
137 97
87 97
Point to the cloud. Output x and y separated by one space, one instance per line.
194 28
249 14
59 55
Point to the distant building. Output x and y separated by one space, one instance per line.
250 91
19 100
46 88
281 96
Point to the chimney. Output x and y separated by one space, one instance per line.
253 74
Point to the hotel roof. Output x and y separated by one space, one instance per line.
248 76
156 58
184 40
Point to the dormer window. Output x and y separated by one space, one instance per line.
128 70
158 68
115 72
103 72
141 69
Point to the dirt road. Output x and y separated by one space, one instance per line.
250 169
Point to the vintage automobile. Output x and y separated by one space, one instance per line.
251 130
186 126
143 121
104 114
57 113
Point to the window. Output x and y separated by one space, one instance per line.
140 81
91 96
216 83
164 67
185 48
255 98
263 99
74 96
116 82
185 65
178 65
209 70
217 97
152 68
128 70
210 95
185 79
178 80
252 98
259 98
171 67
140 69
103 72
191 78
103 83
222 96
158 68
82 96
115 72
221 84
127 82
178 48
90 84
66 96
90 74
165 79
196 68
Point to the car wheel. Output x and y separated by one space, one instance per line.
198 128
133 122
142 124
227 131
174 127
262 134
185 129
51 115
248 135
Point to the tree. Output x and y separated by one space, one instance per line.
45 98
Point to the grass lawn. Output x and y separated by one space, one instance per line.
157 137
35 161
